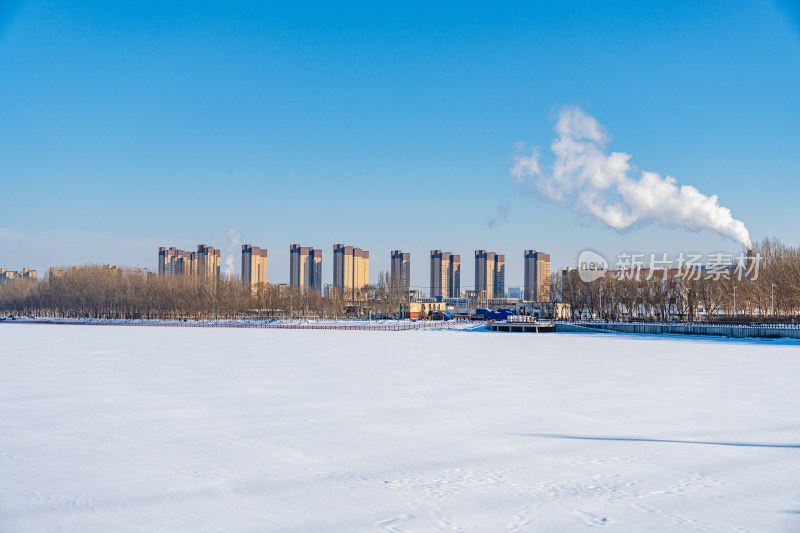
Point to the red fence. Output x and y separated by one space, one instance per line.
345 327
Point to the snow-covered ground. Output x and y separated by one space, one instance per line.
170 429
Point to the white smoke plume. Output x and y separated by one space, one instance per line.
600 185
500 216
234 245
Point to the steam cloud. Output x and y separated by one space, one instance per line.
234 243
501 215
599 185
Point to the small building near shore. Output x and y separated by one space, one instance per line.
421 307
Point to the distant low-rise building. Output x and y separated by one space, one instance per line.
416 294
456 304
475 299
420 308
7 275
55 272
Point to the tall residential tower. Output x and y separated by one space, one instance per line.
537 276
401 269
175 261
207 261
490 273
350 269
445 274
305 267
254 265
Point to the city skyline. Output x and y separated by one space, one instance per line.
350 268
119 122
528 275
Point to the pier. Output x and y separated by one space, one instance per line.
522 327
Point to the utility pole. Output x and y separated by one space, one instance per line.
734 301
601 304
772 294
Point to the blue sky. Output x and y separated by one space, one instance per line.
128 126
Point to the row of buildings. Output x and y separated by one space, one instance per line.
8 275
351 269
490 274
52 273
205 262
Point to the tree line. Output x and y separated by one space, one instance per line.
99 292
770 290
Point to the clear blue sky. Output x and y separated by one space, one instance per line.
125 126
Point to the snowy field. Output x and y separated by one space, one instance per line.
161 429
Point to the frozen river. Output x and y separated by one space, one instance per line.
161 429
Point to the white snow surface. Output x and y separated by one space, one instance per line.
167 429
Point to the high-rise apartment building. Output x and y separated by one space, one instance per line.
490 273
350 269
8 275
445 274
186 264
175 261
207 261
305 267
254 265
537 276
166 260
401 269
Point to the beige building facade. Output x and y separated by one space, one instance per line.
401 269
421 308
208 261
205 262
350 269
490 273
537 276
254 265
305 267
7 275
445 274
174 261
